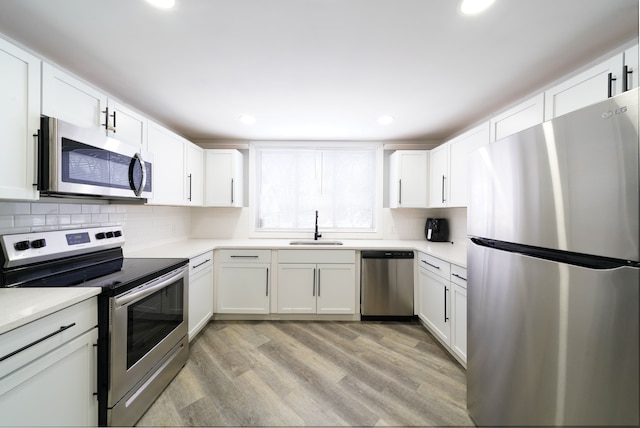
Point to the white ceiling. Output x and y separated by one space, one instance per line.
319 69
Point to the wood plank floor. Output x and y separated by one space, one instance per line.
304 373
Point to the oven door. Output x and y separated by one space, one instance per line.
146 323
84 161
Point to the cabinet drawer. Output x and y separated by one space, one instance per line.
200 263
435 265
459 275
45 334
316 256
245 256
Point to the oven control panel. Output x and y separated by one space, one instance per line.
32 247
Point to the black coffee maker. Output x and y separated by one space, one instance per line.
437 230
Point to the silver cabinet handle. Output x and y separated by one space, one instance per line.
443 199
446 290
458 276
36 138
232 189
399 192
314 282
318 282
190 181
267 282
243 257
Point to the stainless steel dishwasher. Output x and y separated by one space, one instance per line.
386 283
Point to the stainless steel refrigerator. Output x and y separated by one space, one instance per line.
554 272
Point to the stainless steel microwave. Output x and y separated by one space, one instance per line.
85 162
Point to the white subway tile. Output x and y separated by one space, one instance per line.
107 209
70 209
29 220
6 221
11 208
80 218
58 219
90 209
44 208
99 218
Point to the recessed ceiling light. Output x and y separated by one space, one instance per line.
472 7
163 4
247 119
385 120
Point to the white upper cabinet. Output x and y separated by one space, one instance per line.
168 166
525 115
223 178
126 125
631 65
459 150
591 86
408 179
71 100
19 121
195 175
439 176
448 167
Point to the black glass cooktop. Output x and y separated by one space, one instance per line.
108 270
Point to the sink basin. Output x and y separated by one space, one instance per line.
315 243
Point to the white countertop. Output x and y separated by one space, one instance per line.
20 306
452 253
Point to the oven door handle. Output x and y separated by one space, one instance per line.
149 289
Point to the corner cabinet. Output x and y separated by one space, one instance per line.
243 281
442 304
48 370
408 179
19 121
223 181
316 282
200 292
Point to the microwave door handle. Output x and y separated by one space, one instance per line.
137 190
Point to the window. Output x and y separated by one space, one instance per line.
291 184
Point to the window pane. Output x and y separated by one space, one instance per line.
293 184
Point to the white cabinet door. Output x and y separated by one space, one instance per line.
336 291
408 179
588 87
71 100
200 292
126 125
56 389
195 175
19 121
243 289
297 288
459 150
439 176
223 178
459 321
631 63
168 166
435 304
525 115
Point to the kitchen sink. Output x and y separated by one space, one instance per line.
315 243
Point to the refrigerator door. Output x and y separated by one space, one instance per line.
569 184
551 343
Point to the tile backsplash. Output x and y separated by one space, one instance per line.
143 225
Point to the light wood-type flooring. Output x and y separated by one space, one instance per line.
297 373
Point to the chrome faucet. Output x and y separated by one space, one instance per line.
317 235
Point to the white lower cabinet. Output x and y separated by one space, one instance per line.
200 292
243 282
316 282
53 381
443 303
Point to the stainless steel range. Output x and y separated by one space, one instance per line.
142 309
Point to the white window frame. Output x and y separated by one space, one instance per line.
254 232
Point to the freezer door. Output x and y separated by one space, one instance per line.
568 184
551 343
